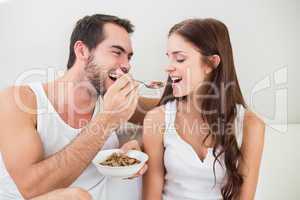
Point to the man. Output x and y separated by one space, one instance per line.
65 194
10 191
51 132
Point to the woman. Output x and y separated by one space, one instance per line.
203 142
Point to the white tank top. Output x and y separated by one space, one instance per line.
55 134
187 177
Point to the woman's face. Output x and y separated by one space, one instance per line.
185 68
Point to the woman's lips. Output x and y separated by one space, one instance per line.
176 84
176 80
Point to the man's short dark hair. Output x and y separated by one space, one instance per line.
89 30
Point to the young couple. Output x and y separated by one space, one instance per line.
202 141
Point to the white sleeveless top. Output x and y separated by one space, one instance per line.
55 134
187 177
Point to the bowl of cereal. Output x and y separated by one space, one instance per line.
114 163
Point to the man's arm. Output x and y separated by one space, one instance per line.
65 194
144 105
22 151
22 148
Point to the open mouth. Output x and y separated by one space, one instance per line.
176 79
113 76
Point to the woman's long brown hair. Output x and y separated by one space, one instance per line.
211 37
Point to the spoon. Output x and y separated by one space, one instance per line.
150 85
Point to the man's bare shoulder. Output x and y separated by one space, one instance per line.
19 101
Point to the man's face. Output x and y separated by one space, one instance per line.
112 55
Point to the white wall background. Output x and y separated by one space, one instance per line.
264 34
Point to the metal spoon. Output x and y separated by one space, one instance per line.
151 85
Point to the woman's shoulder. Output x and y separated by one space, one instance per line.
253 128
157 115
154 127
250 118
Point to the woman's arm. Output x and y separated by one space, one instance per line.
251 149
153 179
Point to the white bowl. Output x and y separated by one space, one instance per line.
119 172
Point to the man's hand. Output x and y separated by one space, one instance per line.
134 145
120 100
65 194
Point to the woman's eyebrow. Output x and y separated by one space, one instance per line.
175 53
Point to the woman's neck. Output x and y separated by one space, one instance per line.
189 106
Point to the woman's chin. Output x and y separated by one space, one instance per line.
180 91
179 94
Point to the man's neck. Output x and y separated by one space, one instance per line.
72 98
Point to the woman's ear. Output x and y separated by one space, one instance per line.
213 63
81 51
214 60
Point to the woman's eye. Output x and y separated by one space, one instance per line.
180 60
117 53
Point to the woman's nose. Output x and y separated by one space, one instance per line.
170 68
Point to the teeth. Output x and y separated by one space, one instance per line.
113 76
176 78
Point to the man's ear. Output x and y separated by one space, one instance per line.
81 51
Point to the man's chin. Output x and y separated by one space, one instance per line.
98 91
98 87
101 92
